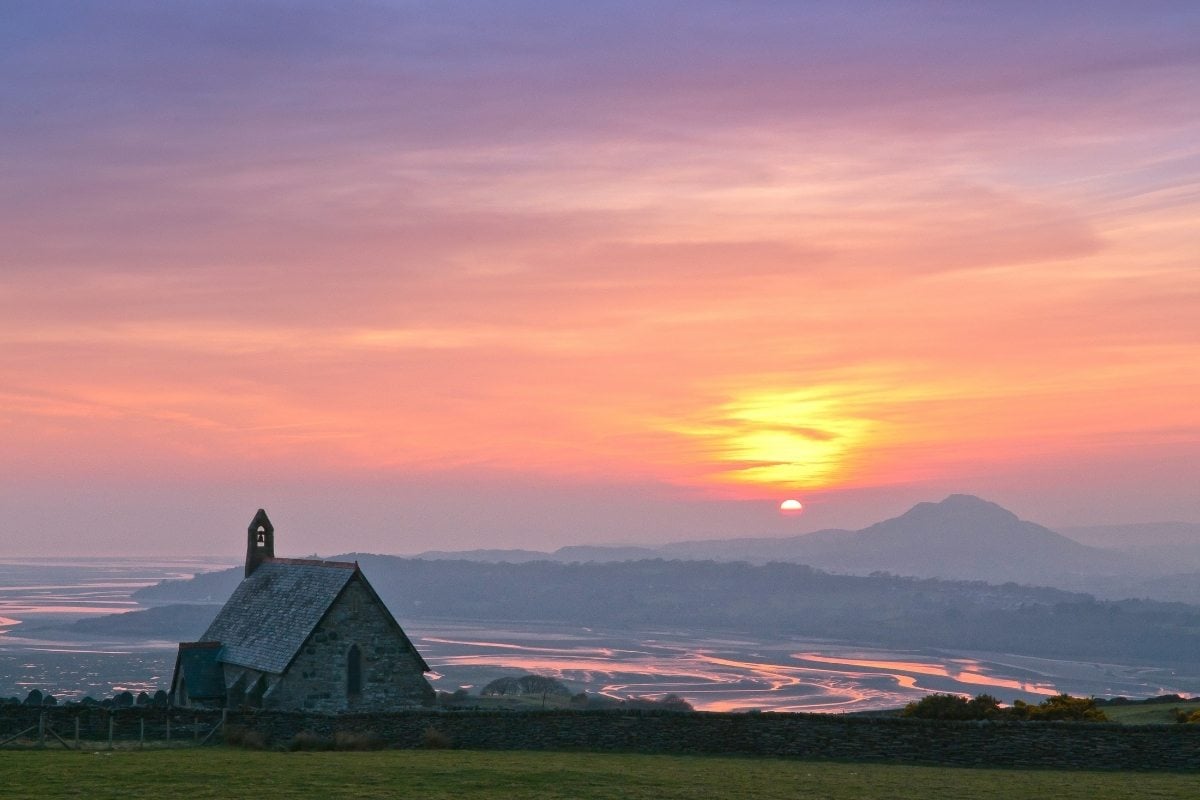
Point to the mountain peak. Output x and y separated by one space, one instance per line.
964 499
962 505
964 536
972 502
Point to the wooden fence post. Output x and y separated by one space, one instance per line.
168 728
110 731
42 729
219 726
76 732
141 733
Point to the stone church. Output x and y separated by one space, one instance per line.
300 635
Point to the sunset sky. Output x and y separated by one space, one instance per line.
527 274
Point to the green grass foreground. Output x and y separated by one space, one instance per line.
198 774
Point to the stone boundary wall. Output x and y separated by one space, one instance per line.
808 736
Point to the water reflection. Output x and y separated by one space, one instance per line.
972 673
721 674
43 593
73 587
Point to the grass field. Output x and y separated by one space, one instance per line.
1147 714
211 773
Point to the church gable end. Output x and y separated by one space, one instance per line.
356 658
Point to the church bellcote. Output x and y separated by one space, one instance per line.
260 541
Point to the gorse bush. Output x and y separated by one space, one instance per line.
986 707
433 739
1060 707
953 706
241 736
354 740
307 741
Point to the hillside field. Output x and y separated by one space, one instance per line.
1147 713
220 773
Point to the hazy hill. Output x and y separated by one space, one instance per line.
1142 534
581 552
493 555
1166 546
206 588
772 600
606 553
185 622
961 538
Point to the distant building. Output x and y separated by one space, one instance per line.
300 635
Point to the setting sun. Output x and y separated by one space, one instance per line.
791 507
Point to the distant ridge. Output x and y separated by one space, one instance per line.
1138 534
580 552
962 537
490 556
774 600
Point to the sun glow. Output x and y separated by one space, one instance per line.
801 438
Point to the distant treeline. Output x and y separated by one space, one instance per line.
773 599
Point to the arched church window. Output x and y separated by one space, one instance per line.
354 671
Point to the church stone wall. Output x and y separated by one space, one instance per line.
390 669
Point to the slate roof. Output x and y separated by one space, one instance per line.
272 612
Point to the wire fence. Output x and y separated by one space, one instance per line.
109 730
